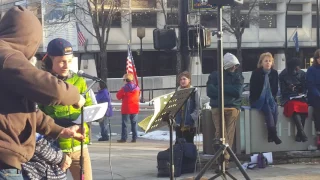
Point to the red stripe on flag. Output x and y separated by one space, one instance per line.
130 68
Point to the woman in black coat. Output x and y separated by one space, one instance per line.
263 91
293 89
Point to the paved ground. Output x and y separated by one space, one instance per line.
138 162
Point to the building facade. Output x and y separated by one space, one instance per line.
267 34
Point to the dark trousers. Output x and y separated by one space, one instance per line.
316 117
188 134
271 117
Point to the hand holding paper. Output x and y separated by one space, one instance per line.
92 113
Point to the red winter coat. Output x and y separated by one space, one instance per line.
129 94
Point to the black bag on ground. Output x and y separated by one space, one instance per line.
185 156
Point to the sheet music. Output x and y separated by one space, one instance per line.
92 113
298 97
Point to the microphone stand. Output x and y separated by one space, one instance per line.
82 126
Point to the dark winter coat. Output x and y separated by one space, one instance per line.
288 80
313 85
190 111
104 96
257 81
233 87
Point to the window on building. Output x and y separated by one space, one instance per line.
208 20
245 6
172 3
144 19
144 3
116 22
172 18
235 21
295 7
314 7
267 6
314 21
268 21
294 21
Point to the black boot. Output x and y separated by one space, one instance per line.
301 135
275 136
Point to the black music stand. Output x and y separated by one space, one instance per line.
167 115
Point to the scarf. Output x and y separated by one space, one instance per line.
266 98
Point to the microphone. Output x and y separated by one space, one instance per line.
82 74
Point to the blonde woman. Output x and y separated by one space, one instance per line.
263 91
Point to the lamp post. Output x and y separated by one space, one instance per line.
286 32
141 33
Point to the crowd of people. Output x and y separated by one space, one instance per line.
298 90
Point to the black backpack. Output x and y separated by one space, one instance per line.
185 156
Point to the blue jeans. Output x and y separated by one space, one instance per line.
133 119
10 174
271 116
104 127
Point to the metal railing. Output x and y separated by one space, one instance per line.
151 91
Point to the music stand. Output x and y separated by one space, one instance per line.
223 146
167 115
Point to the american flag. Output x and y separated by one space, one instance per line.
131 68
81 38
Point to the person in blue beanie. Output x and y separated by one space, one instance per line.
104 96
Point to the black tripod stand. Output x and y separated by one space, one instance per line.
221 143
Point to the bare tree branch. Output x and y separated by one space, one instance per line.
248 15
229 27
163 8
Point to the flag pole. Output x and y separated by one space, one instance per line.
293 33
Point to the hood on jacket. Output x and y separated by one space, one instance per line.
129 87
21 30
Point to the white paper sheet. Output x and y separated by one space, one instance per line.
298 97
92 113
268 155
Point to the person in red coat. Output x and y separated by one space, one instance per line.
130 95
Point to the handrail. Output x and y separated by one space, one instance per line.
151 91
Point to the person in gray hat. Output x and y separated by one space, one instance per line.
233 87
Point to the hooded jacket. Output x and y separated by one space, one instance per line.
102 96
23 85
129 94
233 88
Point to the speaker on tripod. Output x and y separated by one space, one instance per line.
220 145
